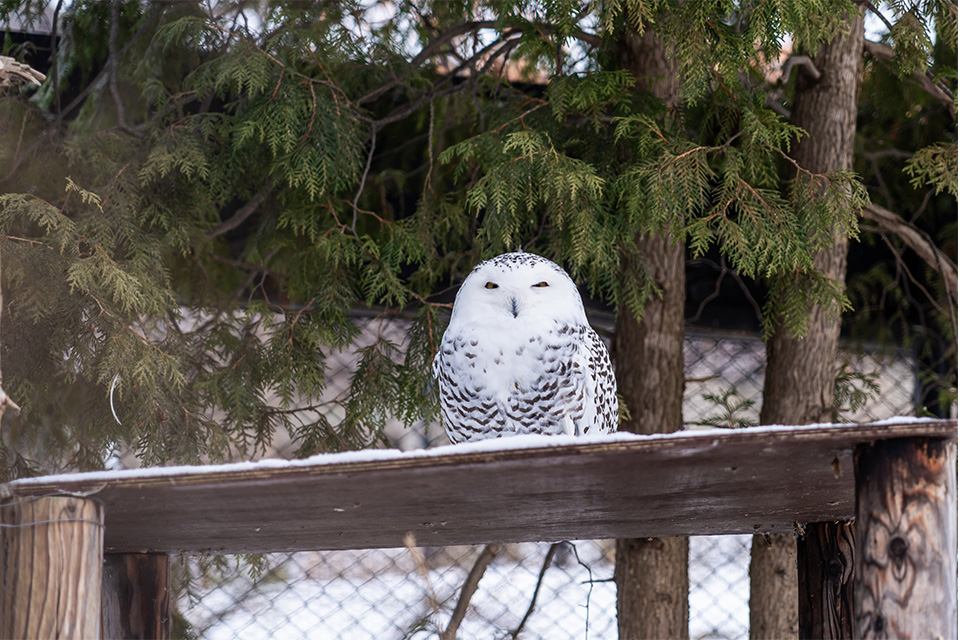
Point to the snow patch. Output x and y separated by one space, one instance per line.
510 443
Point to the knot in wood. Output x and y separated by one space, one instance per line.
835 570
897 548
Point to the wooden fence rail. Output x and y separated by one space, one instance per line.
892 571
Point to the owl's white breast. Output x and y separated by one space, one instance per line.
502 358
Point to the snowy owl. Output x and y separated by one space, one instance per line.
519 357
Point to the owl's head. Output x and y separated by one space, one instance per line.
518 287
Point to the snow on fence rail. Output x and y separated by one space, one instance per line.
688 483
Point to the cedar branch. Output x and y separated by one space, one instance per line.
5 400
926 80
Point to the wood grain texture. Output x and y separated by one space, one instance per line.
906 578
688 483
826 556
51 550
137 596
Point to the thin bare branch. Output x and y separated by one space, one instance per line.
434 45
55 68
469 588
926 80
920 242
113 64
256 269
237 218
587 38
420 562
154 12
363 178
904 271
20 157
873 9
547 561
402 112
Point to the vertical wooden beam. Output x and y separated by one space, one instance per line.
51 554
137 596
906 573
826 556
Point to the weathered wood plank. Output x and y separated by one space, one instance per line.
906 573
826 554
687 483
51 550
137 596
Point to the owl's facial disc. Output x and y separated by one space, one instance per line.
521 287
520 297
503 298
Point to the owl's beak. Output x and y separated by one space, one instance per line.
514 309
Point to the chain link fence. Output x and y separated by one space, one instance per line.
399 594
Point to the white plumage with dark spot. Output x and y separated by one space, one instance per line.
519 357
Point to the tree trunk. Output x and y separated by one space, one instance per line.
773 587
651 574
800 373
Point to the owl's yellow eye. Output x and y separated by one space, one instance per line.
491 285
541 284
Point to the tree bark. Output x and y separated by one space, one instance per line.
651 574
801 373
773 608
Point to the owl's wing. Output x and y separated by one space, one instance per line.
450 397
466 410
601 406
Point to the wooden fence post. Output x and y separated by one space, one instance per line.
137 596
826 556
906 533
51 554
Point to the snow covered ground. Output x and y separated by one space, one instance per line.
379 594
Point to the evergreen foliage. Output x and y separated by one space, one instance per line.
195 205
906 153
729 404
